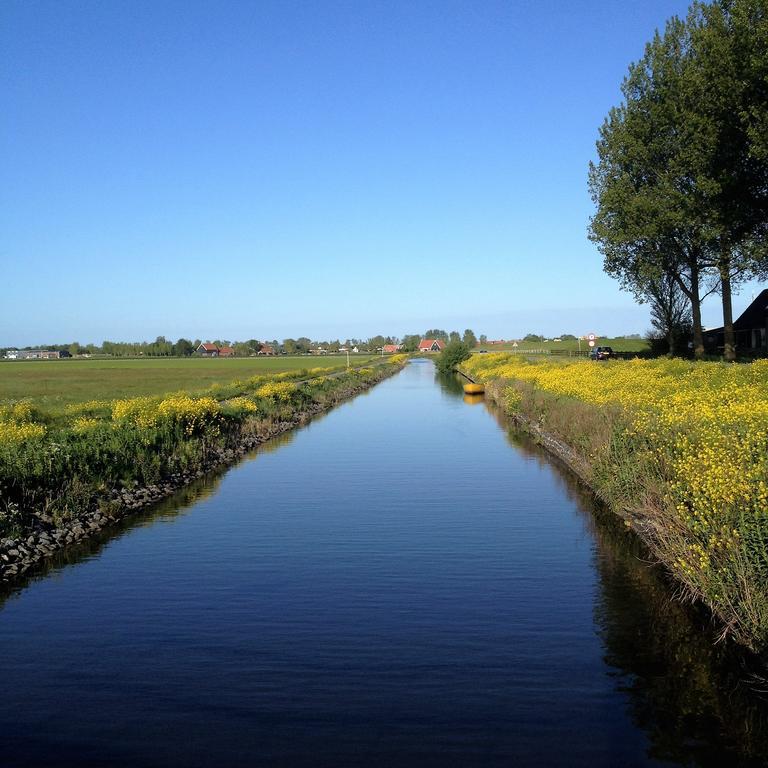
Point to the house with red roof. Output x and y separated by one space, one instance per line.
431 345
266 349
390 349
207 350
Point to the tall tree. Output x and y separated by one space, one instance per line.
469 338
681 186
729 77
649 219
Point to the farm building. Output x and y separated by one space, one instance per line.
207 350
32 354
390 349
267 349
751 330
431 345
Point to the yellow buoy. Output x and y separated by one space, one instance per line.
473 389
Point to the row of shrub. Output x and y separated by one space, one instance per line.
679 449
54 466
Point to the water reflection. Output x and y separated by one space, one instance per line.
700 702
167 511
687 693
450 383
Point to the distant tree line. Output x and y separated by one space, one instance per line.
162 347
681 180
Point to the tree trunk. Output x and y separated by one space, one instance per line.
729 349
693 292
698 333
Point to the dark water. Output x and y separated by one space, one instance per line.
400 583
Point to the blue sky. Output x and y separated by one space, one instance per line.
276 169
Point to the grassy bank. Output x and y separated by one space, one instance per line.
54 464
679 449
551 346
51 385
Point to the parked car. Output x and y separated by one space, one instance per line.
602 353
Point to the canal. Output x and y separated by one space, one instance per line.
402 582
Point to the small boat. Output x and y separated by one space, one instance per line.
471 388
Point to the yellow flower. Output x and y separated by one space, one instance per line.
278 390
84 424
243 404
13 433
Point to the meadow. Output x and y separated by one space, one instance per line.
51 385
679 449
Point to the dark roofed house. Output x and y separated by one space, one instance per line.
750 329
207 350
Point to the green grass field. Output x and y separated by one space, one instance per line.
619 344
53 384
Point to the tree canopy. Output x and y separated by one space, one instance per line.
681 181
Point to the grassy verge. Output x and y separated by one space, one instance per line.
679 450
54 465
